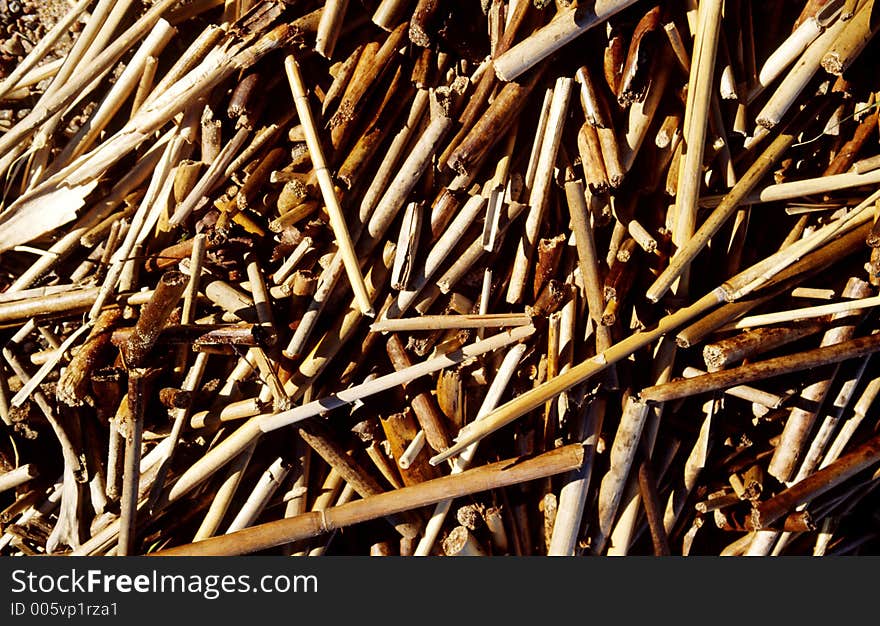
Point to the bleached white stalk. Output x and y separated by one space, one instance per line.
791 87
265 488
224 494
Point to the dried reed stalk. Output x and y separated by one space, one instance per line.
337 219
494 475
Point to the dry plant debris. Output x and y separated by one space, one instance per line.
399 277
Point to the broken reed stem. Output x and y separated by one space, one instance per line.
797 79
223 495
743 392
43 47
328 191
724 352
816 484
492 476
134 428
588 261
540 191
389 13
408 175
566 26
122 88
816 451
737 287
268 482
852 41
332 17
432 421
74 382
18 476
538 396
96 67
651 500
622 453
153 317
762 369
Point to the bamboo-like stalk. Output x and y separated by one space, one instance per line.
424 406
408 458
598 116
816 452
336 337
447 322
386 169
539 395
251 430
648 489
582 227
471 255
125 84
764 319
407 245
640 115
389 13
573 495
17 77
353 474
743 392
138 379
693 243
337 219
793 47
374 67
223 496
96 67
451 237
696 120
807 187
737 287
491 126
492 476
461 542
409 173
